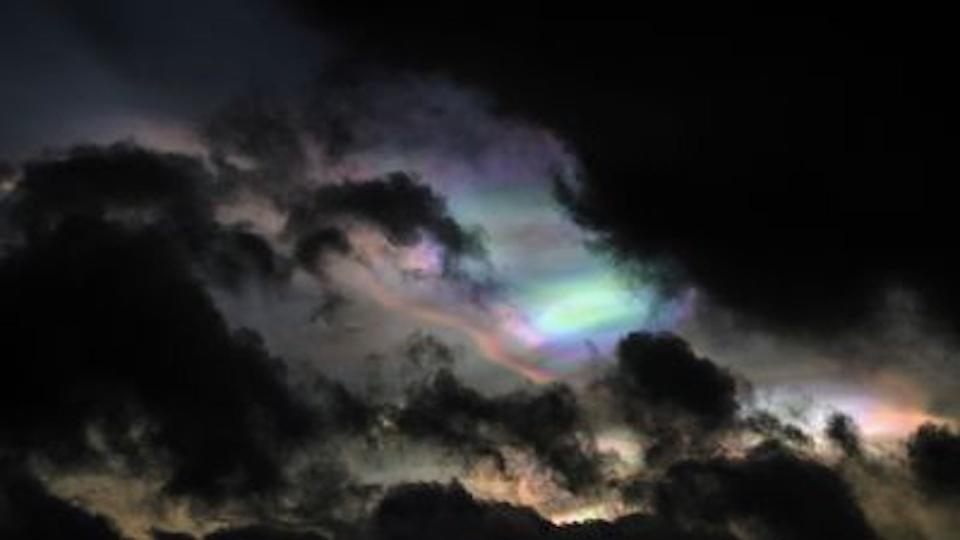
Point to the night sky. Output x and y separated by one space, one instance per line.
271 270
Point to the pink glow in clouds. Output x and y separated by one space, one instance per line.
371 276
885 408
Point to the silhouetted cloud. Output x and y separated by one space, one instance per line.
771 492
96 181
843 431
403 209
129 343
250 532
167 535
547 422
136 187
659 374
428 511
313 246
771 427
262 533
934 452
29 512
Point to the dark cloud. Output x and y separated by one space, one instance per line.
105 329
771 492
771 427
167 535
94 181
547 422
658 374
135 187
678 401
252 532
637 527
826 275
934 453
843 432
405 210
312 246
29 512
235 258
129 343
262 533
428 511
783 183
262 130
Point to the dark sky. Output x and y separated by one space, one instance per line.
277 270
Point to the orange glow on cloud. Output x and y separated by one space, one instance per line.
883 420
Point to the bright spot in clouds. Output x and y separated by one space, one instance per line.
583 304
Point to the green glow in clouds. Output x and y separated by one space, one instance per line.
586 303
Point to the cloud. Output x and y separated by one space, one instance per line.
771 427
128 343
28 511
404 210
133 186
252 532
93 181
166 535
771 492
428 511
658 374
843 432
136 187
788 178
547 422
262 533
117 356
934 453
758 185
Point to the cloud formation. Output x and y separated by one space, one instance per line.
773 493
29 511
129 345
933 452
238 327
548 422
